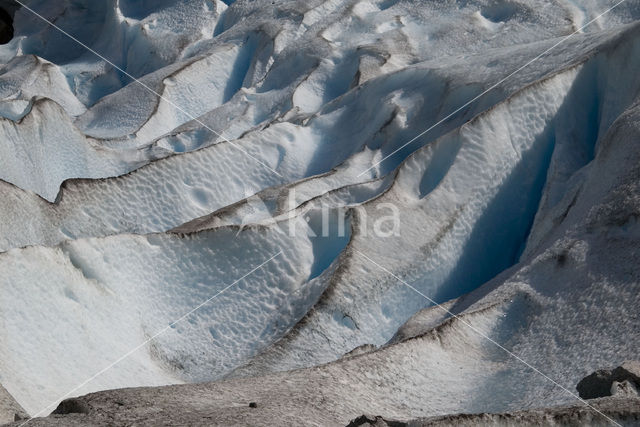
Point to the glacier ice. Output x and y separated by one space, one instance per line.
126 203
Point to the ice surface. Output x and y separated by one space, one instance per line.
100 281
124 204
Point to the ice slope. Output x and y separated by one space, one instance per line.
259 101
139 37
90 300
79 148
66 73
472 195
27 77
331 46
568 307
174 190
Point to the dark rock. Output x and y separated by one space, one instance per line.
6 27
598 384
375 421
253 405
625 380
72 406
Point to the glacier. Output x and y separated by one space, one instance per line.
157 154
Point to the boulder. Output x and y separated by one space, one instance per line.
621 381
598 384
375 421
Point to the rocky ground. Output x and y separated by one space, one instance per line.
118 408
625 411
279 400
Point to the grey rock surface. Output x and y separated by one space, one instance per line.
116 408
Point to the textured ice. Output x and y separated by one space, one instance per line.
124 204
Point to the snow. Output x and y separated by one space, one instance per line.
125 204
89 294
